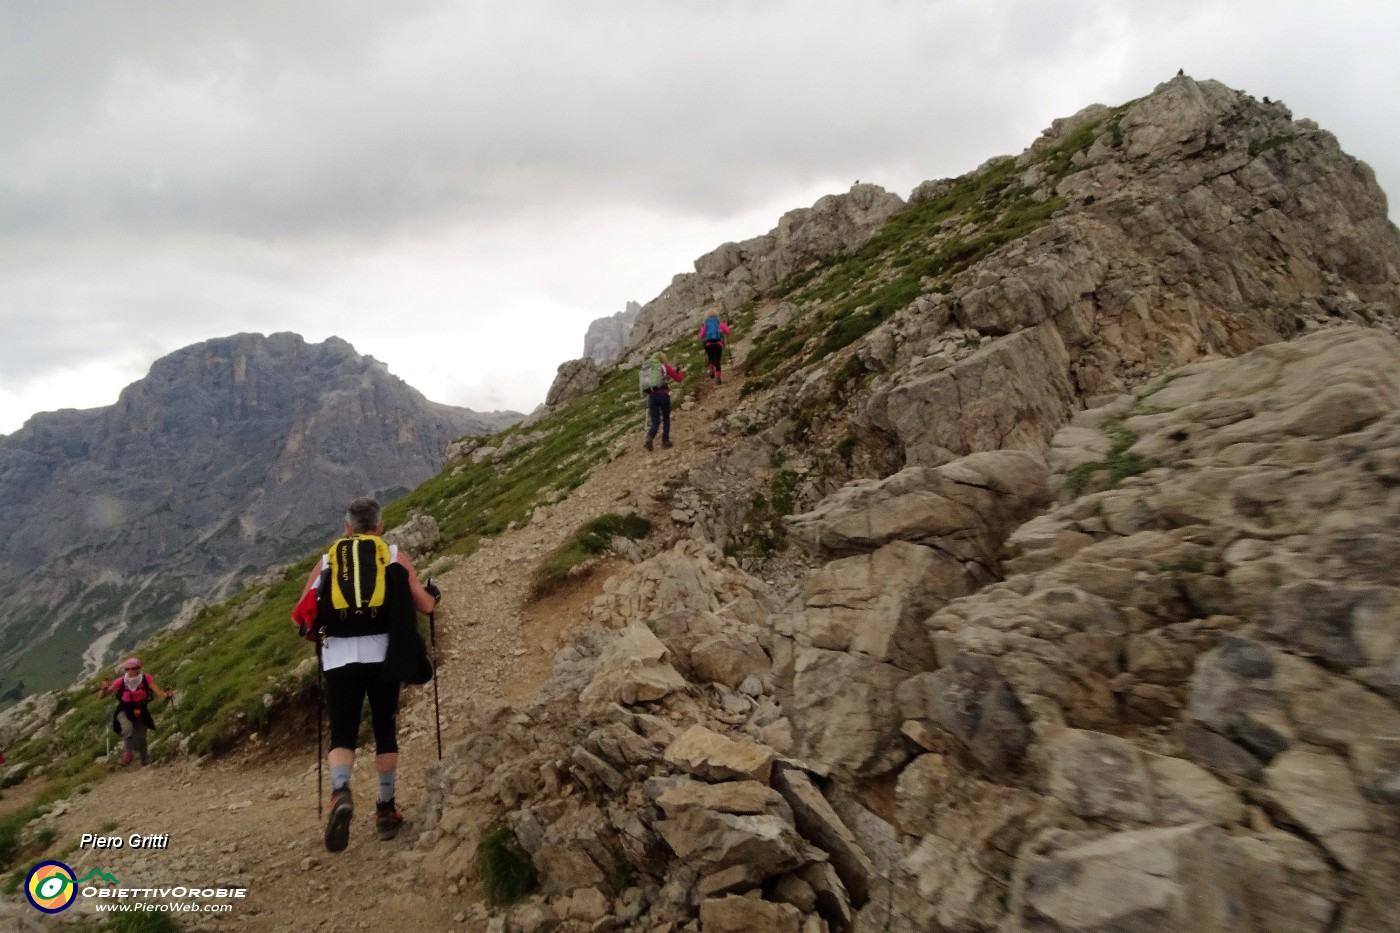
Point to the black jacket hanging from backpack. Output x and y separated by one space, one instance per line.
406 660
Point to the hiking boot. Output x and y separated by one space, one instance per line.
338 823
666 444
126 758
387 820
647 444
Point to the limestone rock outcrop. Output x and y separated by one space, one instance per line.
606 336
737 272
1165 700
574 379
1092 458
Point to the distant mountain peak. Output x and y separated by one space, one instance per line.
230 454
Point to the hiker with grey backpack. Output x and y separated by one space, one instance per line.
655 380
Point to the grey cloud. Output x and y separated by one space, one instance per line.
657 106
177 171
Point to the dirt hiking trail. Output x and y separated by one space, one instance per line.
249 819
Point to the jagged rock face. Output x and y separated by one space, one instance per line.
230 455
1177 711
737 272
1073 659
575 379
607 336
1168 702
1201 222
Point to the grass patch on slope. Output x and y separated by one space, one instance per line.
592 539
472 501
1118 464
918 250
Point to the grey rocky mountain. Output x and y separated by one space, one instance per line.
606 336
228 456
1095 626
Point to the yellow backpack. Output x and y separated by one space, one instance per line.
356 577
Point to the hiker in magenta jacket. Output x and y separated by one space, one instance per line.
132 717
659 401
712 332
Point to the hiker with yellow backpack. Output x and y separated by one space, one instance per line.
360 607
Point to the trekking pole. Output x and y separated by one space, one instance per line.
170 702
320 719
437 713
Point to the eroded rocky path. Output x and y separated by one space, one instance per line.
250 819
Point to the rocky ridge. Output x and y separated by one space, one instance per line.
229 454
1080 624
606 336
1175 707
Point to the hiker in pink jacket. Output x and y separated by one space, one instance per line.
132 717
713 332
657 375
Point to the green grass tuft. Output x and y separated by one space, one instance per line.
1118 464
507 874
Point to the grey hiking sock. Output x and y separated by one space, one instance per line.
386 786
340 776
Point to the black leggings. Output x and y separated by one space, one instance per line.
713 352
659 415
346 689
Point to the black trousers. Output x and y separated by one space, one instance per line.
713 351
659 414
347 687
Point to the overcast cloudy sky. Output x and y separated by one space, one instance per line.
458 187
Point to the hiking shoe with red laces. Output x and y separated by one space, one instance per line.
387 819
126 758
338 823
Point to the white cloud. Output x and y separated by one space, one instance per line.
458 188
